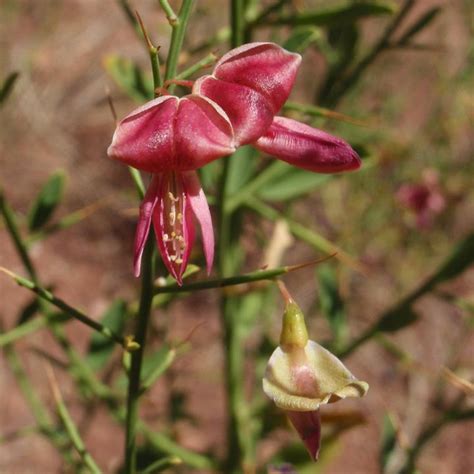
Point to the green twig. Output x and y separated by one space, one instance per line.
203 63
162 464
137 356
177 38
169 12
237 22
71 311
71 428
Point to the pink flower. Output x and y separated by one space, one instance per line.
171 137
425 199
252 83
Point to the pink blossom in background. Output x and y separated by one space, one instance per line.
425 199
172 137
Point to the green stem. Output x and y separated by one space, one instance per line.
382 44
177 38
169 12
204 62
137 356
74 435
69 310
237 22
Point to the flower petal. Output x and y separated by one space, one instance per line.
144 220
144 139
307 147
264 67
174 226
200 207
313 378
249 111
308 426
203 133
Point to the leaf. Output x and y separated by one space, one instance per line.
291 183
388 442
153 362
130 78
420 24
339 15
46 202
301 38
100 347
7 86
28 311
331 302
241 168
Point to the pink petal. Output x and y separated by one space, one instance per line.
307 147
264 67
144 139
203 133
249 111
308 426
174 227
171 134
144 221
199 205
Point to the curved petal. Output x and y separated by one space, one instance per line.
308 426
199 205
249 111
144 139
264 67
174 227
144 220
203 133
313 378
306 147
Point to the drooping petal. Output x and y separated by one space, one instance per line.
308 426
248 110
312 378
174 227
203 133
306 147
144 221
264 67
145 138
171 134
200 207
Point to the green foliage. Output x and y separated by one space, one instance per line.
331 303
301 38
100 347
388 442
131 79
339 15
46 202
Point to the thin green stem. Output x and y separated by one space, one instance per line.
381 45
237 22
12 227
169 12
137 356
162 464
203 63
73 432
177 38
138 182
62 305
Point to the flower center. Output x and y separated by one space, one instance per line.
174 207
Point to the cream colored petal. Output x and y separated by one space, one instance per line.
303 381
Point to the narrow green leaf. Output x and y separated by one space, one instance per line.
388 442
397 319
133 81
301 38
100 347
291 183
28 311
338 15
423 21
7 86
331 302
46 202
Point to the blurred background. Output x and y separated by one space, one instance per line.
399 218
